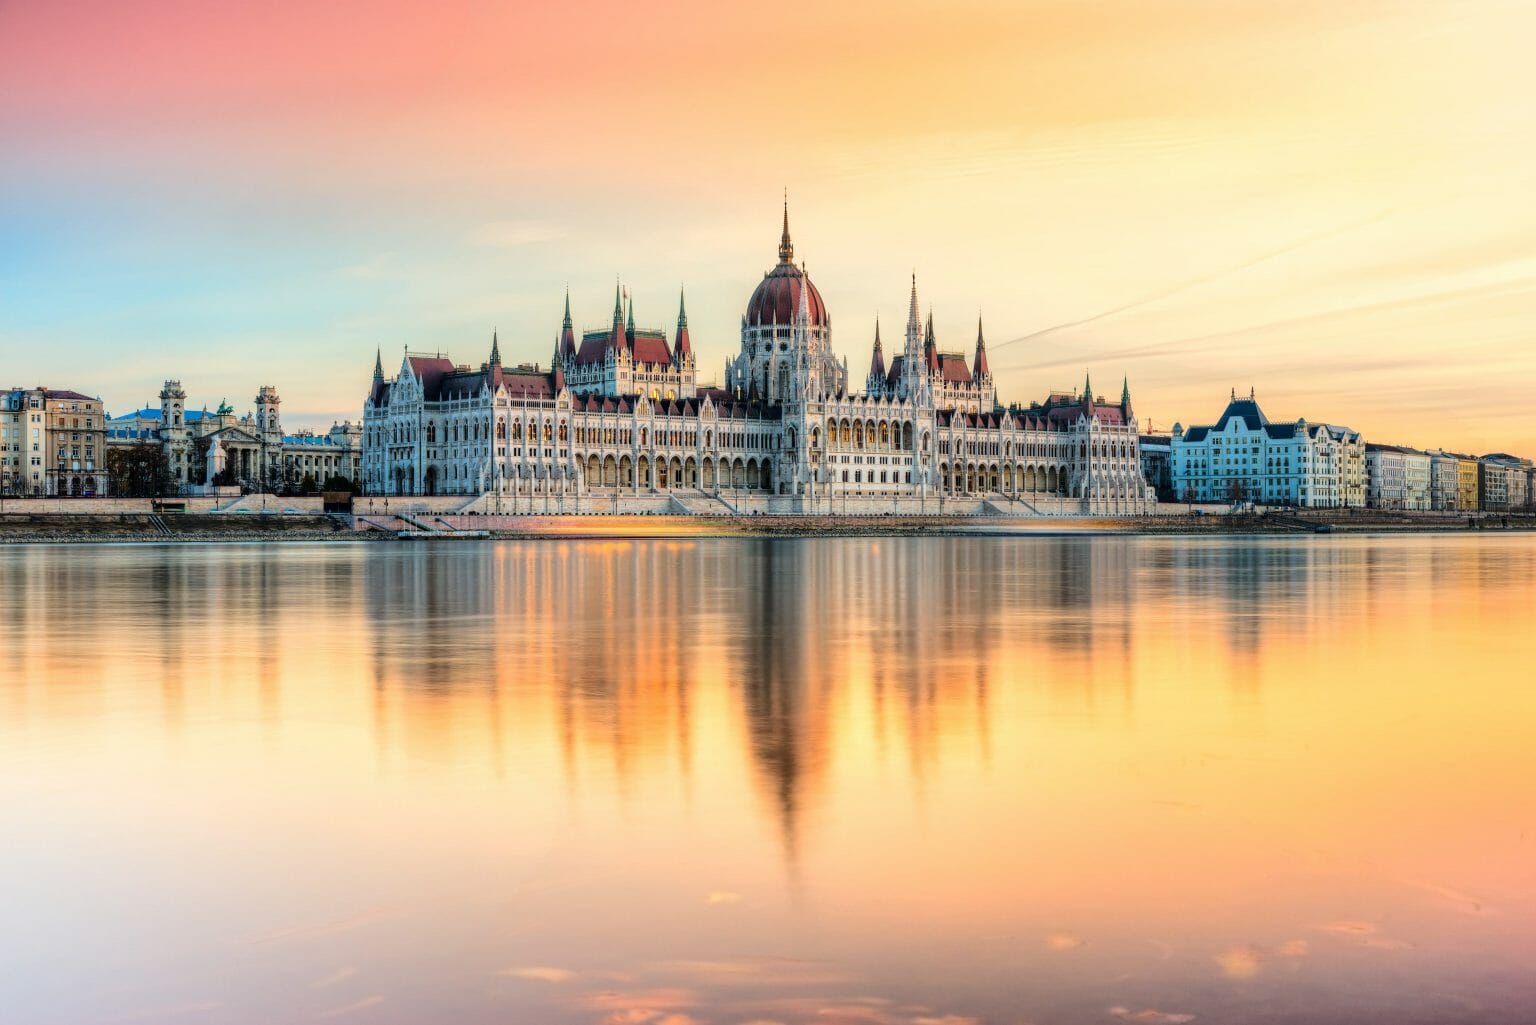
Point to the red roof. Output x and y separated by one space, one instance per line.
777 298
595 346
954 369
525 384
651 347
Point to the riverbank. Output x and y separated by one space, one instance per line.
77 528
97 528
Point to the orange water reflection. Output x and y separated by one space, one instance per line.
891 781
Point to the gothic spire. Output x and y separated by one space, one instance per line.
1125 395
786 247
618 303
914 326
567 331
981 368
1087 390
877 359
495 360
378 366
682 349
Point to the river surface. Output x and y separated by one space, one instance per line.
921 781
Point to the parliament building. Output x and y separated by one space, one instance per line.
619 423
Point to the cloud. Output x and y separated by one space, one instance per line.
352 1008
756 971
658 999
1241 962
514 234
538 973
1063 941
162 1013
1151 1017
326 928
337 976
380 266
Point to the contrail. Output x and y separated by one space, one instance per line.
1184 286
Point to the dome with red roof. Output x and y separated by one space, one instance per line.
777 299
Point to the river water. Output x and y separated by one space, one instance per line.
844 782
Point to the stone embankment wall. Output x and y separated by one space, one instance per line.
171 527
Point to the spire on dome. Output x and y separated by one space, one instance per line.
981 368
682 349
786 247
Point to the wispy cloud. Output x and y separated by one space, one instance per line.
514 234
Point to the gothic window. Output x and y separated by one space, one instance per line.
431 432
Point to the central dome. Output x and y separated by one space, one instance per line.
777 299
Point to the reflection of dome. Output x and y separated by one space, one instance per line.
777 299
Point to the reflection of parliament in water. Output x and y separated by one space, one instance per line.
786 631
619 423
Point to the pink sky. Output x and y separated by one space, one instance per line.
1329 202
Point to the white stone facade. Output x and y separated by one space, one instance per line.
622 416
1398 478
1244 457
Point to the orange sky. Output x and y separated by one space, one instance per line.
1327 201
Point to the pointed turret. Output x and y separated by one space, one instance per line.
1125 396
618 303
876 360
914 325
1087 392
981 368
378 366
930 346
629 323
495 361
786 247
682 348
567 329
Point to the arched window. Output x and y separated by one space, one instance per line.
501 429
431 432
